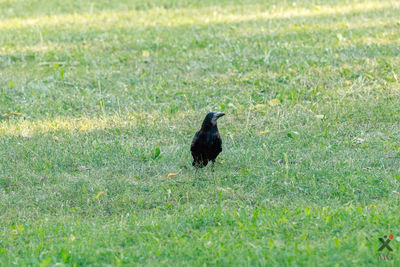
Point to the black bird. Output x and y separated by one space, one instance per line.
207 143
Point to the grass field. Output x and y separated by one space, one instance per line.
309 174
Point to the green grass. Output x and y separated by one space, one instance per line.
105 84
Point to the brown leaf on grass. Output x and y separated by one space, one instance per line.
7 115
172 175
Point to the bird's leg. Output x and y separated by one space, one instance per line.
196 170
212 170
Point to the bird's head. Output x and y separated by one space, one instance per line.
211 119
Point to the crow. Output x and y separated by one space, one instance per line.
207 143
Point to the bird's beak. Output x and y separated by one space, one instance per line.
219 114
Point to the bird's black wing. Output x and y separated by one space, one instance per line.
195 148
216 146
195 143
199 149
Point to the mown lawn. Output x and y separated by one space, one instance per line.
310 171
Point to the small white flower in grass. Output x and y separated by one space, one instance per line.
169 192
82 168
26 135
398 238
358 140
